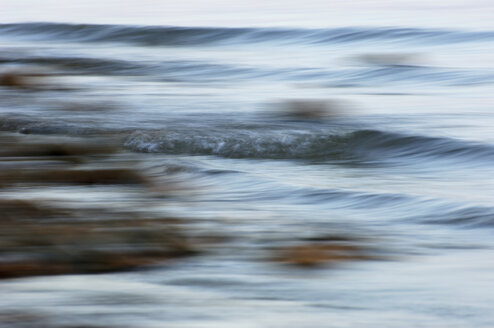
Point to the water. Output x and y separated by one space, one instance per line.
278 136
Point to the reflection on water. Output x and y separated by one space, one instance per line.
158 176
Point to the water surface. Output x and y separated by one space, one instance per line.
399 157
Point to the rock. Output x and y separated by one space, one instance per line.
54 247
316 254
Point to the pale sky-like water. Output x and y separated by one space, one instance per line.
478 14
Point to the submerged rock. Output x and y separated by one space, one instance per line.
51 248
40 236
15 209
82 176
12 80
317 254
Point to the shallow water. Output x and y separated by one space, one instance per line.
272 136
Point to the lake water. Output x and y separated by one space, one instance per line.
283 124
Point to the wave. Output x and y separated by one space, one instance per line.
189 36
288 140
203 71
404 74
77 64
207 71
362 145
392 144
169 70
352 199
470 216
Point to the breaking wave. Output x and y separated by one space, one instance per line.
362 145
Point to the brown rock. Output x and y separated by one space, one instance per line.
310 255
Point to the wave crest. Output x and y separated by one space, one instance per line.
361 145
175 36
